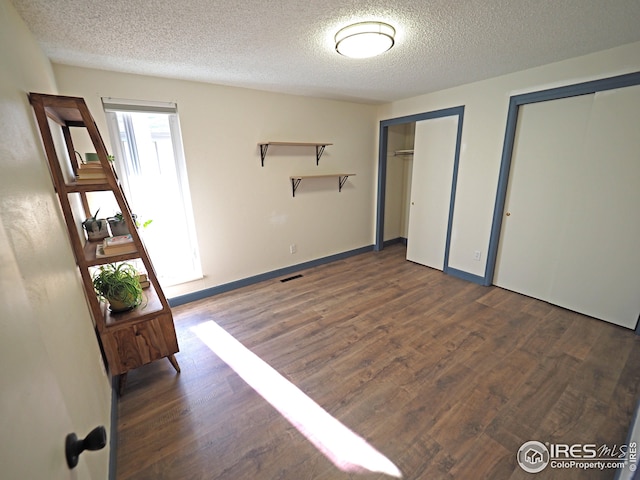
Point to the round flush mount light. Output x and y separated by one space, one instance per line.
365 39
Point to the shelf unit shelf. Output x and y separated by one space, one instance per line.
128 339
151 307
92 260
264 146
342 178
88 187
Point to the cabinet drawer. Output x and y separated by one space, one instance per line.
138 344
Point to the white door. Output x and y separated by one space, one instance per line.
433 161
35 420
571 225
540 183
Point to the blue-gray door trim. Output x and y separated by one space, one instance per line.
585 88
382 171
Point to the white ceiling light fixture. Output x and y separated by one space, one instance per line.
365 39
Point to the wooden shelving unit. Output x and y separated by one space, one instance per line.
264 146
129 339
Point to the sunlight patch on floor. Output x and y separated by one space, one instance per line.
346 450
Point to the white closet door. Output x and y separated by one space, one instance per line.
599 271
540 182
433 161
571 234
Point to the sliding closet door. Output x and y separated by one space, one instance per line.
571 226
599 272
541 182
432 174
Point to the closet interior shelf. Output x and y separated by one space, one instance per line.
402 153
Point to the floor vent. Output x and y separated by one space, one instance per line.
290 278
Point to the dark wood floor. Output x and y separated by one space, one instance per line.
444 377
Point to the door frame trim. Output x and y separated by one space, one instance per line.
515 102
382 171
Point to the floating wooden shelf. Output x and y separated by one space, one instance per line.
342 178
264 146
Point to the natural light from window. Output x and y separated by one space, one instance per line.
151 167
346 450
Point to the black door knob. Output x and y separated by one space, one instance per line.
96 440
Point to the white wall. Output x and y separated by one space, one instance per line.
485 117
245 215
51 380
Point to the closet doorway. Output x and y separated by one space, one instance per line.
566 225
418 167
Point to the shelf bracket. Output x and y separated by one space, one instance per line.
263 152
319 148
341 182
319 152
294 185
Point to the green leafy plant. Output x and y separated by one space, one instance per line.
119 284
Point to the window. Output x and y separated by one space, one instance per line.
150 164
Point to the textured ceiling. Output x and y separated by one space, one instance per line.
287 45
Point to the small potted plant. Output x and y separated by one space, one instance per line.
96 228
92 157
118 284
118 225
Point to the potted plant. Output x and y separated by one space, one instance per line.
119 225
96 228
118 284
92 157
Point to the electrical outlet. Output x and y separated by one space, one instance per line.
293 248
477 255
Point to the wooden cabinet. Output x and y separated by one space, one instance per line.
139 343
129 339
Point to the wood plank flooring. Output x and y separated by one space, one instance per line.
444 377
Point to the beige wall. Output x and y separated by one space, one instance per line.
483 134
398 187
246 217
51 380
